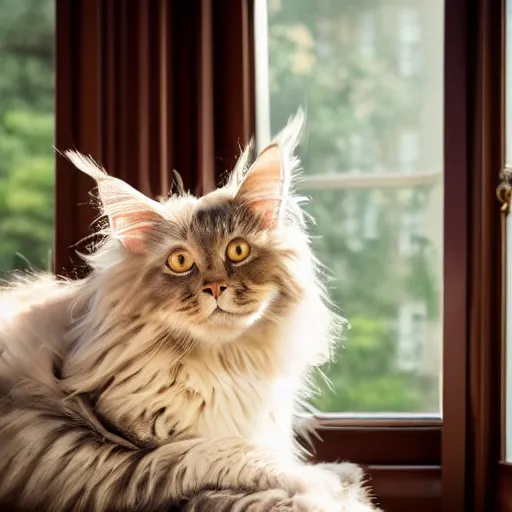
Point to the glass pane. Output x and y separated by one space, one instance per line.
370 75
26 133
508 156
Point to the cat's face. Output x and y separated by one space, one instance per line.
215 269
210 267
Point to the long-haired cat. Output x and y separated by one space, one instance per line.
173 371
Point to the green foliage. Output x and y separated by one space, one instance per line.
26 133
315 60
363 377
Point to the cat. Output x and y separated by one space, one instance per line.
174 370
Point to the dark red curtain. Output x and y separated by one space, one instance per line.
145 87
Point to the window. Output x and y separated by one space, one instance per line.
374 171
26 134
151 86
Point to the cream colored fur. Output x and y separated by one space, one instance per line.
126 391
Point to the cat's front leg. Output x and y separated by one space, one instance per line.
50 460
347 493
237 463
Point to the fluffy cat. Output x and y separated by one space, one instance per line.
173 371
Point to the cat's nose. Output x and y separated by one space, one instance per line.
214 289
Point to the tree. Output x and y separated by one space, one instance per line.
26 133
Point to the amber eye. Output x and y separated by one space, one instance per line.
238 250
180 261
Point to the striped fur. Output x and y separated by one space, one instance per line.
132 389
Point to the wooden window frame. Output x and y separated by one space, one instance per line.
142 104
503 469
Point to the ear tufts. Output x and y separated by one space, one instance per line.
266 186
131 214
86 164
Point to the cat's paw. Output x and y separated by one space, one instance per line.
315 502
326 488
306 479
354 483
310 502
347 472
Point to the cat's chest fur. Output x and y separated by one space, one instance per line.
202 396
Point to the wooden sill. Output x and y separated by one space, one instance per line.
402 456
379 441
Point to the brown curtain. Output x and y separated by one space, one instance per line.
145 87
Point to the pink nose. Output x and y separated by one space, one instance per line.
214 289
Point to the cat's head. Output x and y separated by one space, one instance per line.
210 267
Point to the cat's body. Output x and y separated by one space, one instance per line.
148 381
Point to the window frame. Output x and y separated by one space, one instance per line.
475 134
195 104
503 471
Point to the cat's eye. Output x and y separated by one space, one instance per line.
180 261
238 250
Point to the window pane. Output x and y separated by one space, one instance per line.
370 75
26 133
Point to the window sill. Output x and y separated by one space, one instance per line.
411 441
401 454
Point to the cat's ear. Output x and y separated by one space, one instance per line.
263 187
266 185
130 213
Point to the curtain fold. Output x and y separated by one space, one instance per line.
145 87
